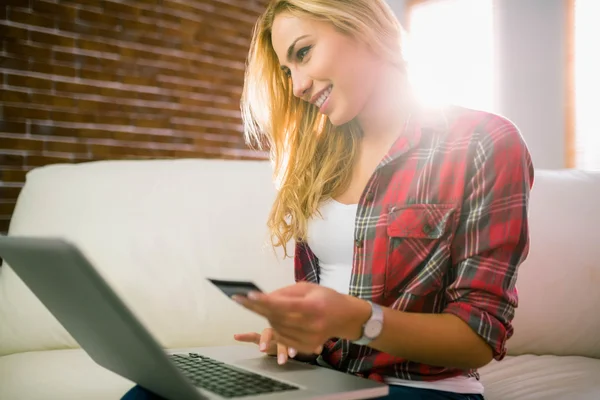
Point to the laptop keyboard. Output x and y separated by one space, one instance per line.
226 380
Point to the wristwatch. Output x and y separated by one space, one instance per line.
373 327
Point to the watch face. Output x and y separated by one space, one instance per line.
373 329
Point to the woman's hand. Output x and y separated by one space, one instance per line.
267 344
306 315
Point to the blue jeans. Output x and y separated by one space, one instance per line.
396 392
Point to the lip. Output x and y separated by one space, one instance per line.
325 106
314 99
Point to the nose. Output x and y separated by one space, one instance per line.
301 84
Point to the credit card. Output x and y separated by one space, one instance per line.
231 288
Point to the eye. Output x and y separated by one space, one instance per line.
302 53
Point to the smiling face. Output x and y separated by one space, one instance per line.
334 71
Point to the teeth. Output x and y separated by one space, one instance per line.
323 97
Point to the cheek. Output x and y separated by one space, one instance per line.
359 81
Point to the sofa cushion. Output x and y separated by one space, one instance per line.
58 375
155 230
531 377
72 375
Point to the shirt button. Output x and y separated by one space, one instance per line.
427 229
358 243
370 196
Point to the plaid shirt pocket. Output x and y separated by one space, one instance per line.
419 248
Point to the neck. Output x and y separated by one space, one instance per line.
384 117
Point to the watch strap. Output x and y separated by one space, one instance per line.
376 315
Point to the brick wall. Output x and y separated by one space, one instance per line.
100 79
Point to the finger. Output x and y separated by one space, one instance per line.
282 354
251 337
292 352
302 345
265 339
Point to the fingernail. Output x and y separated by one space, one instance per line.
292 352
253 295
281 359
263 346
237 299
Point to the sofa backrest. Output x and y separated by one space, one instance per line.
559 282
156 229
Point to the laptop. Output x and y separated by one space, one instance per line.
65 281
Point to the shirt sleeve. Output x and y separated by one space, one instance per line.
492 237
306 264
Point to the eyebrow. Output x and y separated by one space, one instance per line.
290 50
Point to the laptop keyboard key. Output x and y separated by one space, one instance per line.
225 380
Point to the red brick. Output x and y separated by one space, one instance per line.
139 80
126 150
11 160
115 7
7 207
24 16
73 27
55 10
13 33
13 96
52 39
7 126
41 128
18 64
69 87
12 175
22 112
7 193
20 143
73 58
37 160
100 75
29 82
52 69
97 46
26 51
4 226
52 100
99 18
140 137
65 116
66 147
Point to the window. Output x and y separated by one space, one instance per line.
450 52
585 67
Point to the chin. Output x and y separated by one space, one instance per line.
339 119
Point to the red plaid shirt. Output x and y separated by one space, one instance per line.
441 227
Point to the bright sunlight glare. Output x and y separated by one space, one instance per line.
587 84
450 52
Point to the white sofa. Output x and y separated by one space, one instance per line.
156 228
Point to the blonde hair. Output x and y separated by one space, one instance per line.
312 158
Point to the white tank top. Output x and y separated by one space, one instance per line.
331 239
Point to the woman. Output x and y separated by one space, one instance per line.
409 222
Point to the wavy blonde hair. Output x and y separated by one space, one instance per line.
312 158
